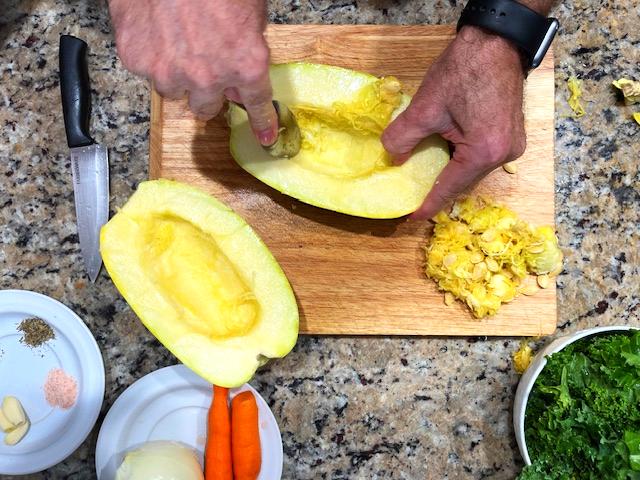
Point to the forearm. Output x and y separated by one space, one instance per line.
541 6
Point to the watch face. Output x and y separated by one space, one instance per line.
546 42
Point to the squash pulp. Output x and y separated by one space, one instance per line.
201 281
188 267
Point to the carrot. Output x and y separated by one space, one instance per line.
245 437
217 460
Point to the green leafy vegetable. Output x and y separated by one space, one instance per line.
583 416
632 440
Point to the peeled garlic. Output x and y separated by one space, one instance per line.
17 434
13 420
12 409
5 423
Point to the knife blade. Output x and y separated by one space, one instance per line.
89 161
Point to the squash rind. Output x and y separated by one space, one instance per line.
228 362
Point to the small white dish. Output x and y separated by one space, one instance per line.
54 433
172 403
530 376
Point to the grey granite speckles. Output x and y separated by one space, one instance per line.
349 408
598 166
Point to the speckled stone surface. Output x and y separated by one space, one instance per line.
349 408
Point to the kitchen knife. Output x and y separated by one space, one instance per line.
89 161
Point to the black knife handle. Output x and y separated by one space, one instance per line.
75 90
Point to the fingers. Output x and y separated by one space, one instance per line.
168 82
169 89
455 178
232 94
403 134
205 103
257 100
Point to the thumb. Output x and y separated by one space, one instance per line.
406 131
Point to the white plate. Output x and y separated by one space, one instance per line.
54 433
172 404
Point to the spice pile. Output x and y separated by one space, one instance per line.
60 389
35 332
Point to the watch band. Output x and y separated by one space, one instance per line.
527 29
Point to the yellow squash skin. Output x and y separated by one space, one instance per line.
342 165
201 281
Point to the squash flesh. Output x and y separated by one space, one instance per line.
166 227
328 150
343 141
342 165
189 268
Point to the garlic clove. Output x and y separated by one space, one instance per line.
12 409
17 434
5 424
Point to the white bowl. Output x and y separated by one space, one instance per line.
531 374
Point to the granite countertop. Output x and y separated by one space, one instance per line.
348 408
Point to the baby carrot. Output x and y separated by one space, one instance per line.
245 437
217 460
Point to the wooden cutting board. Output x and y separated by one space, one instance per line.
354 275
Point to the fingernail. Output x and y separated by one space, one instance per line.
267 137
400 158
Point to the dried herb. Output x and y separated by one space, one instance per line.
35 332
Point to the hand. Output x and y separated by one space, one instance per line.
206 48
472 96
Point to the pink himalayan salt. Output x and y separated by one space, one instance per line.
60 389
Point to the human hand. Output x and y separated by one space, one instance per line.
472 97
206 48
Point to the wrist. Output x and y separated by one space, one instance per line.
496 49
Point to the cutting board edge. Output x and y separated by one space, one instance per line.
470 332
155 135
493 327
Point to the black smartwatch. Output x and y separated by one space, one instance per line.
531 32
